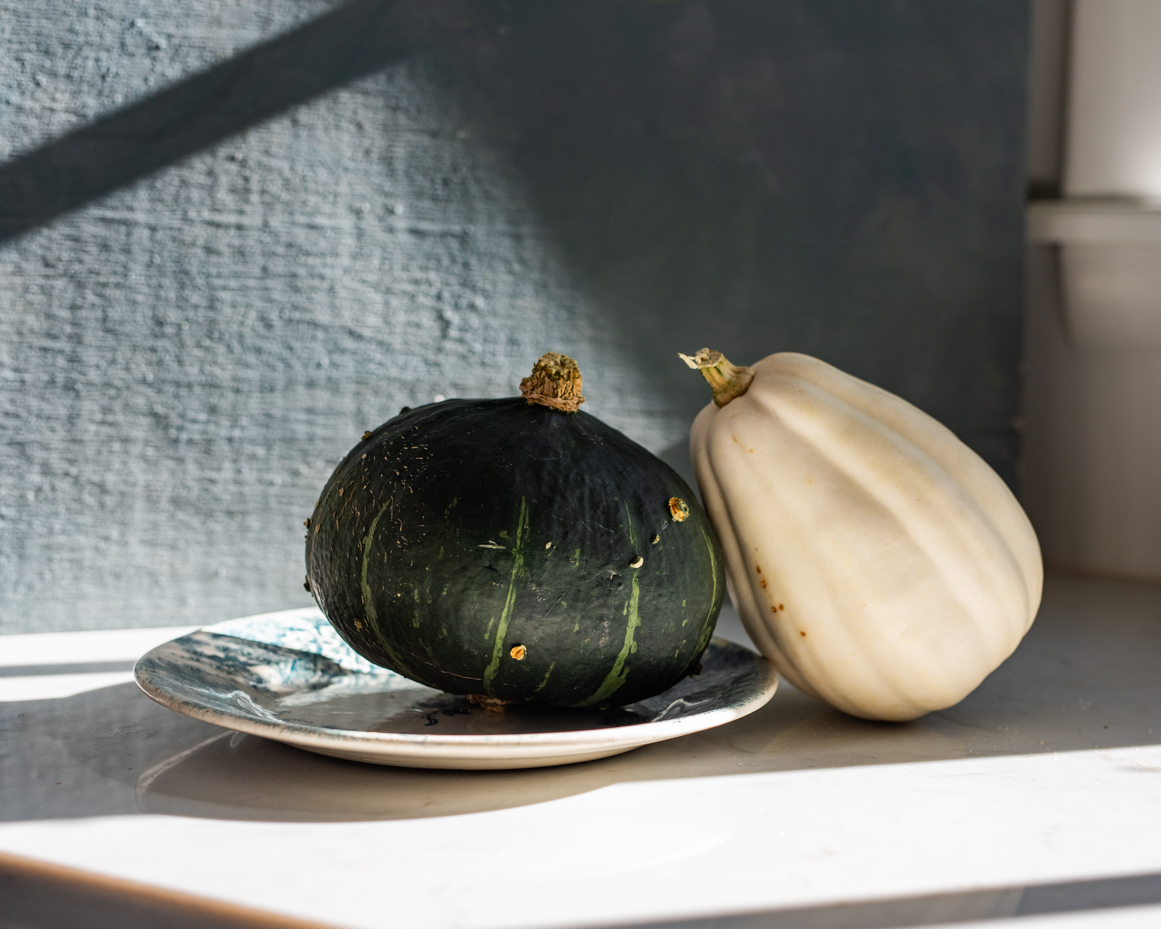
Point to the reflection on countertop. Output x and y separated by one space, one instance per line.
1084 678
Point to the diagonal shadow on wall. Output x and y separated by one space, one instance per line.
799 174
357 39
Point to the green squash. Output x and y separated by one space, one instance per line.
517 550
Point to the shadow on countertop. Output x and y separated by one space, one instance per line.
1084 678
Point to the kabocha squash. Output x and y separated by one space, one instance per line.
875 559
517 550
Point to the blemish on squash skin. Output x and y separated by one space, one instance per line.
518 652
763 583
801 633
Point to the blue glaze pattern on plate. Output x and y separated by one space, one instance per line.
289 676
306 630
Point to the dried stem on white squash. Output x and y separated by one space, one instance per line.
727 380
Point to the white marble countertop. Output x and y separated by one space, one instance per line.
1037 801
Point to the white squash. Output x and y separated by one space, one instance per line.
875 559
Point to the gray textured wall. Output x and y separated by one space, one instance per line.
235 235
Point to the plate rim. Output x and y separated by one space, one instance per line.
527 747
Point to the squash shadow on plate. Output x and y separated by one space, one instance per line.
1074 684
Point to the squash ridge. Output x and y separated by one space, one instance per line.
963 519
806 661
912 521
717 499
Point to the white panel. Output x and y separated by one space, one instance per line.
1113 294
1114 117
1092 444
1093 396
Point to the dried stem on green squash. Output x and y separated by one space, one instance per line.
555 382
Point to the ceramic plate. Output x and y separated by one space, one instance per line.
289 676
